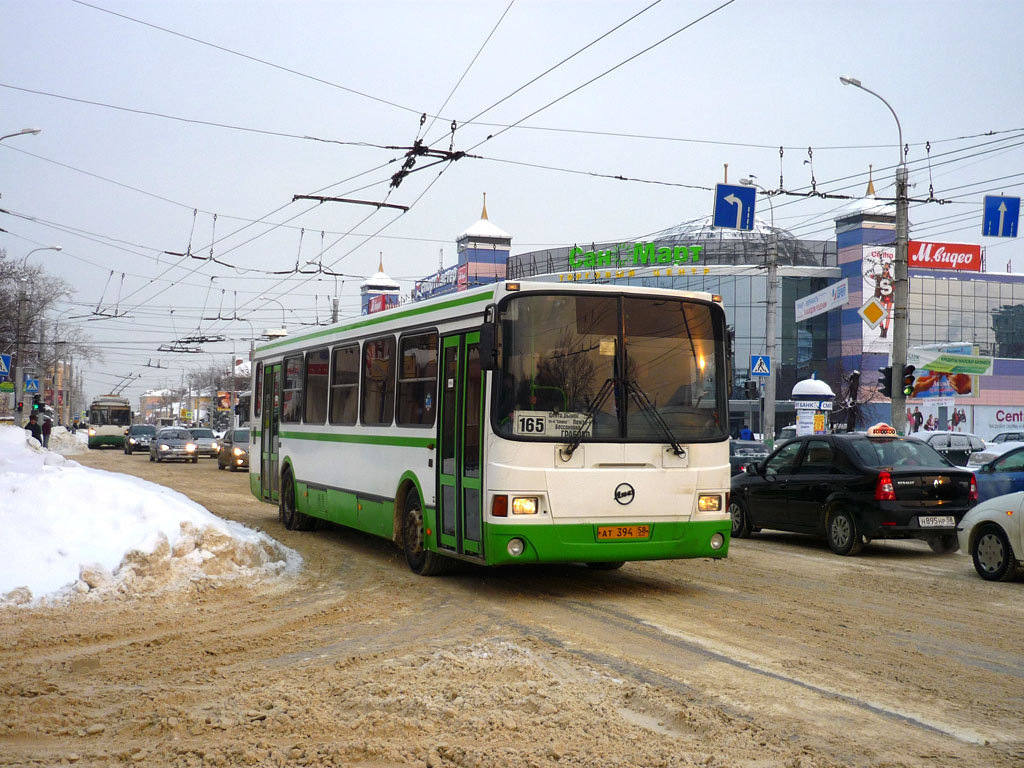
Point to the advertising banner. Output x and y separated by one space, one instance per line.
836 295
879 283
959 256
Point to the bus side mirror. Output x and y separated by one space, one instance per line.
488 347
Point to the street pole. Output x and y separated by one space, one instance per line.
901 294
19 368
768 419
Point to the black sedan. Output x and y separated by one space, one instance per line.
854 488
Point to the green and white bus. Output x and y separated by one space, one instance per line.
514 423
109 418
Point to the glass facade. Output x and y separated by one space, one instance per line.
988 313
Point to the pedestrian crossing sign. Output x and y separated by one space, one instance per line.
32 386
5 365
760 365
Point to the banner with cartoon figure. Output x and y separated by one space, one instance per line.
880 284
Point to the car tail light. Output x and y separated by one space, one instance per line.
972 494
883 488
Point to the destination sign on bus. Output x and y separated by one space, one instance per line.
549 424
634 254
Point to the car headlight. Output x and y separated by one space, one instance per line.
238 452
164 447
190 447
131 440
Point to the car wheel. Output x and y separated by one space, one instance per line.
993 556
421 561
219 465
944 545
843 534
740 519
195 459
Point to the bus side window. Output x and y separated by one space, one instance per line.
345 385
417 380
257 390
378 395
316 386
291 406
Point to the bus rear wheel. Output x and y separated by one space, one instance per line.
421 560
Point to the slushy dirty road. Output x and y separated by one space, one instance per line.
783 654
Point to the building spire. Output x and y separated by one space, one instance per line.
483 215
380 268
871 184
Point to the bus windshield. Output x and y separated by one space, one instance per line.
107 416
599 367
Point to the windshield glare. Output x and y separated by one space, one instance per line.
633 362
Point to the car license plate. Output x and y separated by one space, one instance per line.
605 532
935 521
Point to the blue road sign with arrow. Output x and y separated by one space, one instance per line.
1001 216
734 206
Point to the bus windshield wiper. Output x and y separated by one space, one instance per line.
592 408
653 415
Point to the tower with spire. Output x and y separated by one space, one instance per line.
378 292
483 252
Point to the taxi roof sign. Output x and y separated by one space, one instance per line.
882 430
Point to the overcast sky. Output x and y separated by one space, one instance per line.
189 126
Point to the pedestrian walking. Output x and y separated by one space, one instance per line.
34 429
47 428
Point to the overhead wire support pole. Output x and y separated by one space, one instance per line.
900 321
349 200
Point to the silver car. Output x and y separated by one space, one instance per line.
173 443
206 442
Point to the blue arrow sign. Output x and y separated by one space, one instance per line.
32 386
734 206
760 365
5 365
1001 216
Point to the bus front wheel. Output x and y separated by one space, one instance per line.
421 560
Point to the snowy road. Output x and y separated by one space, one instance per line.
783 654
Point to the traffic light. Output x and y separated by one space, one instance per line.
885 381
37 403
750 389
21 406
908 380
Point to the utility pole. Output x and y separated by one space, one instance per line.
900 321
19 369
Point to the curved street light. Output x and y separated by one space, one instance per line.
24 262
898 359
22 132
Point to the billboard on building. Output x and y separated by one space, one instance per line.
879 283
958 256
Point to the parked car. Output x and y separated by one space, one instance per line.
999 469
1008 437
853 488
993 534
173 443
744 452
138 437
234 450
206 442
955 446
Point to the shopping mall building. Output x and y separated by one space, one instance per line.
954 306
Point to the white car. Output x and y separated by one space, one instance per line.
993 534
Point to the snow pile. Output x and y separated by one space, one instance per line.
67 444
70 531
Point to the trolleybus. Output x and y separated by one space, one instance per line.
109 417
514 423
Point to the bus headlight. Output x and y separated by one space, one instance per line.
709 503
524 505
92 432
717 541
515 547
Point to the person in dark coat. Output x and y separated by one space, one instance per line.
34 429
47 428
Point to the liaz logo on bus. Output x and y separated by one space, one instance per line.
643 254
881 430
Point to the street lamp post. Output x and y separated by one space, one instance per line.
900 322
22 132
278 302
768 425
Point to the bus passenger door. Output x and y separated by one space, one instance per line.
270 438
460 441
